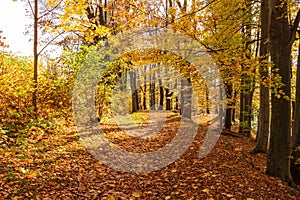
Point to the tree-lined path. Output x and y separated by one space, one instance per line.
234 63
58 166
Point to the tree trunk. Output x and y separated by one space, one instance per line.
168 99
262 137
228 116
278 161
186 99
35 60
152 90
207 100
242 105
177 106
161 95
249 115
135 103
247 84
295 167
296 124
234 106
145 89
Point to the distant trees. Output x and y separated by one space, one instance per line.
155 87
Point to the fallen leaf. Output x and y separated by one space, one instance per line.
206 191
111 198
136 194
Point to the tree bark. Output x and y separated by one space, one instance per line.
152 90
247 83
168 99
228 116
278 160
207 100
295 168
262 137
145 89
135 103
186 98
234 106
161 95
35 59
296 124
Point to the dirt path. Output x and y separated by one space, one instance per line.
155 123
59 167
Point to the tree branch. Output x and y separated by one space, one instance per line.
296 23
49 11
30 7
294 29
48 43
196 11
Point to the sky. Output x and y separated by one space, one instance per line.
13 24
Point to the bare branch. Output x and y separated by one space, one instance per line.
49 11
198 10
48 43
30 7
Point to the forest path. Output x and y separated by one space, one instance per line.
155 122
60 167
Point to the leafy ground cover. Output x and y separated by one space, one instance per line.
52 163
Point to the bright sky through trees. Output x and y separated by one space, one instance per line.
12 23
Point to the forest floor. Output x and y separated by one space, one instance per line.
52 164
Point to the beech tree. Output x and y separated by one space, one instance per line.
262 135
282 36
295 166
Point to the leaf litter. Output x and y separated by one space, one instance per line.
57 166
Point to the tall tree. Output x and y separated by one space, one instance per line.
229 108
145 89
282 37
35 56
134 91
168 99
161 94
264 105
40 14
247 73
186 98
152 86
295 166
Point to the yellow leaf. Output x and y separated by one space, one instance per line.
23 170
206 191
229 195
111 198
112 144
136 194
195 187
